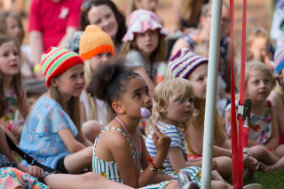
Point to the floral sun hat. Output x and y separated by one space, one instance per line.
140 21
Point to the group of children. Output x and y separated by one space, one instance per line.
90 117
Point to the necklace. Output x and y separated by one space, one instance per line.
132 142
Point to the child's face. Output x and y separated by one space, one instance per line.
135 96
70 83
103 17
103 58
198 79
258 48
147 42
179 110
9 58
258 86
14 29
150 5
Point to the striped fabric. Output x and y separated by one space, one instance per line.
184 62
109 169
177 140
95 41
56 61
279 59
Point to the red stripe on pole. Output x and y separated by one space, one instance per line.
233 110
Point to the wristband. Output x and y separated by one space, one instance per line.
154 167
37 68
10 126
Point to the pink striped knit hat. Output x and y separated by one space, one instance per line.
140 21
56 61
184 62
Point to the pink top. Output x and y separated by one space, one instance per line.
52 19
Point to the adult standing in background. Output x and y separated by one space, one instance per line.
51 23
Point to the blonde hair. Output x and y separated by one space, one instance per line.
163 93
256 32
158 55
198 120
91 101
256 66
72 107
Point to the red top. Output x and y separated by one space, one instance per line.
52 19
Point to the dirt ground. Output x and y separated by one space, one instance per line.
258 14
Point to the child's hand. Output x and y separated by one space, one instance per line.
35 171
161 141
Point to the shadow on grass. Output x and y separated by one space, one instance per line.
269 180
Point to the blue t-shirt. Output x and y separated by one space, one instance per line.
40 137
177 140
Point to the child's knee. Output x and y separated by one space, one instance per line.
258 150
216 184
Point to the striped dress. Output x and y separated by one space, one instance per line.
110 170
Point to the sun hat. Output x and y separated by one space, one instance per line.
140 21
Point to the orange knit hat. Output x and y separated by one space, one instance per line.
94 41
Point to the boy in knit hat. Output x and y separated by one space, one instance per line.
96 48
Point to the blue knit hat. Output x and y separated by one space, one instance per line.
184 62
279 59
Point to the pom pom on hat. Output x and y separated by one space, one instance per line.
279 59
142 20
56 61
184 62
95 41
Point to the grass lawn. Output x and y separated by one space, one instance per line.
271 180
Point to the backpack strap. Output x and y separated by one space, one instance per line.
28 158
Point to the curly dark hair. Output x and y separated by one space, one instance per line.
120 18
109 82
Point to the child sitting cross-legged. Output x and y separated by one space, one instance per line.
173 106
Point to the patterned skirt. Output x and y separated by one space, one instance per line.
14 178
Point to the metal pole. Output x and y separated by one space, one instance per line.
210 106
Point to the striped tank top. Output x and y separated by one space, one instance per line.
109 169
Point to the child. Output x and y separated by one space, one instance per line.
24 176
120 153
11 25
12 93
96 48
277 95
257 46
172 108
52 133
106 15
187 65
263 136
145 45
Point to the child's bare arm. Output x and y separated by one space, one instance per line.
274 140
71 143
24 107
178 161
